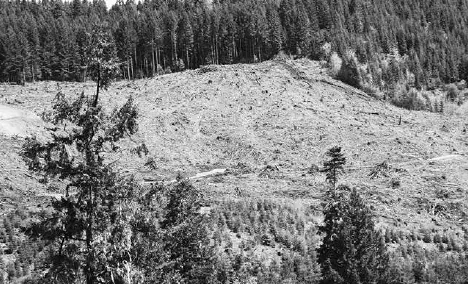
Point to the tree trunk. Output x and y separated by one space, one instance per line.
234 47
259 52
128 68
89 269
157 59
153 59
212 53
136 63
97 86
24 77
216 50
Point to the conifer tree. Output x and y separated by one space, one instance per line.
352 250
334 166
186 39
82 223
275 36
102 59
185 234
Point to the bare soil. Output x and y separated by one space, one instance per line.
267 124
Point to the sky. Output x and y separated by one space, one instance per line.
109 3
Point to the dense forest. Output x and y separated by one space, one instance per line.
420 43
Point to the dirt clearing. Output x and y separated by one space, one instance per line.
285 115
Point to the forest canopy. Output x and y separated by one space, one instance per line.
423 43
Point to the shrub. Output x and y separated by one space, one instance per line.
371 91
335 63
313 169
267 240
442 247
445 239
349 72
395 182
427 238
452 93
411 100
208 68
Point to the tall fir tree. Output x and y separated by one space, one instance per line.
352 250
81 226
334 166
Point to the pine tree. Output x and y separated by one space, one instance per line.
185 33
352 250
302 31
275 35
84 222
172 41
170 241
102 60
334 166
126 40
288 19
186 234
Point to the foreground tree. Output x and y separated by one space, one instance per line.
82 224
352 250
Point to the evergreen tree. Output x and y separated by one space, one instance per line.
302 31
334 166
170 241
186 234
275 35
232 31
185 33
352 250
102 60
126 40
81 228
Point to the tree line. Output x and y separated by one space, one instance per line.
421 42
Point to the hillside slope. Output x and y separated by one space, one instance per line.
267 124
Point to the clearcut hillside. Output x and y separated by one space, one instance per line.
261 127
